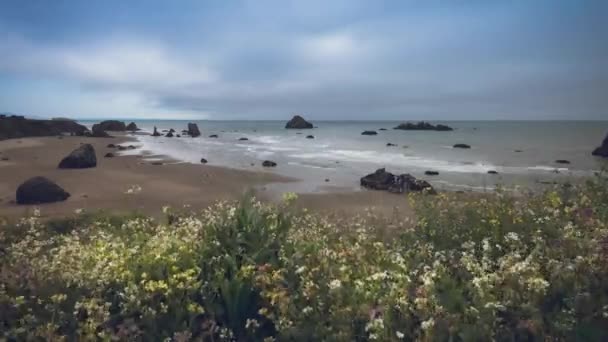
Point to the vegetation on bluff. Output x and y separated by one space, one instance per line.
496 267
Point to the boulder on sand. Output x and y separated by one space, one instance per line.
81 158
132 127
99 132
422 126
203 161
193 130
383 180
602 151
461 146
113 126
268 163
298 122
369 133
109 155
38 190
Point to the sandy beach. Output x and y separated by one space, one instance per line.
133 183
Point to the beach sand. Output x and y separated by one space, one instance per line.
106 186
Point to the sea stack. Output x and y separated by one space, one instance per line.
602 151
298 122
193 130
113 126
132 127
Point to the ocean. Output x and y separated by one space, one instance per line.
522 152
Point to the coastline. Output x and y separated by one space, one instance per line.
128 183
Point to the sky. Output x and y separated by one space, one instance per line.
332 60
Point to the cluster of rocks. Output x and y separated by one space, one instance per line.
383 180
15 126
423 126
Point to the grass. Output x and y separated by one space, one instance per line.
493 268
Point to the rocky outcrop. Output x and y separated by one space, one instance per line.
169 135
81 158
113 126
298 122
268 163
193 130
461 146
602 151
20 127
132 127
422 126
39 190
99 132
383 180
369 133
155 133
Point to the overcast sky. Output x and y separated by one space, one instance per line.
338 59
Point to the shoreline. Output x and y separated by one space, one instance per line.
174 183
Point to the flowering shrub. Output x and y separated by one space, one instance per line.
478 268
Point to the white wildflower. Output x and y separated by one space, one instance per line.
335 284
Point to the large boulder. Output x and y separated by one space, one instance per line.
602 151
193 130
422 126
268 163
40 190
298 122
132 127
99 132
113 126
81 158
19 127
383 180
369 133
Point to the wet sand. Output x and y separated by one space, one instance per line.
106 187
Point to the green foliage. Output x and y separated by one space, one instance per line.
466 268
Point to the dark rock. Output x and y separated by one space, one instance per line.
99 132
113 126
518 151
5 159
171 130
390 144
298 122
132 127
382 129
369 133
155 133
40 190
156 163
602 151
131 147
562 161
243 139
111 146
203 161
431 173
461 146
492 172
310 137
169 135
383 180
193 130
269 163
20 127
326 179
178 136
109 155
422 126
213 136
81 158
121 148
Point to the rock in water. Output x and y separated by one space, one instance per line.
310 137
383 180
492 172
81 158
169 135
422 126
203 161
369 133
602 151
99 132
431 173
562 161
243 139
298 122
113 125
40 190
155 133
132 127
213 136
390 144
193 130
269 163
461 146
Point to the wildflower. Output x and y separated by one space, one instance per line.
307 310
400 335
78 211
512 236
335 284
428 324
300 269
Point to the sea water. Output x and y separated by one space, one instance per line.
522 152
